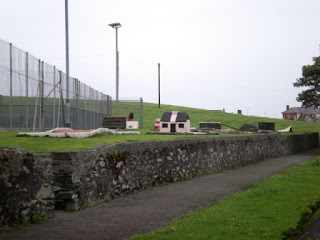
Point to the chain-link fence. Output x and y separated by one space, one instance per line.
131 107
33 95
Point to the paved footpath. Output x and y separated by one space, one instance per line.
152 209
312 232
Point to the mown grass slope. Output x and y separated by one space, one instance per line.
150 113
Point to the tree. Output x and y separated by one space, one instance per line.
311 79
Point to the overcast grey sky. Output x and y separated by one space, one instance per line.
232 54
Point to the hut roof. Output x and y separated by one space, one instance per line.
181 117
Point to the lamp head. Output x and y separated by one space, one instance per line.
115 25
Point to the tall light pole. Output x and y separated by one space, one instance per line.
67 120
116 26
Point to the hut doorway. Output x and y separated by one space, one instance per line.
173 128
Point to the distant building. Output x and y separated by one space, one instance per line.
175 122
301 114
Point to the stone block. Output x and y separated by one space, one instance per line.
26 193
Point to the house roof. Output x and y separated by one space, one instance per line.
181 117
301 110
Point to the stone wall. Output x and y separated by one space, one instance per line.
32 185
25 191
86 178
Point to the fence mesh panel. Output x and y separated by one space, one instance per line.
33 95
131 106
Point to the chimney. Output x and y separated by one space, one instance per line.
288 107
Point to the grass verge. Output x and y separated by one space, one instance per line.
264 211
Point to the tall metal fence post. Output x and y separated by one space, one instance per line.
102 108
80 107
97 109
92 108
109 110
42 98
111 102
37 98
90 105
106 105
75 104
159 84
54 98
61 100
27 90
78 113
141 114
11 104
36 102
72 104
88 108
85 106
41 85
79 103
39 89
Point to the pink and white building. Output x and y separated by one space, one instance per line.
174 122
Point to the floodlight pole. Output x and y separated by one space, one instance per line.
116 26
117 74
67 122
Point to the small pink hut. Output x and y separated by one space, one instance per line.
174 122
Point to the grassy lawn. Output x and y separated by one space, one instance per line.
47 144
263 211
151 112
